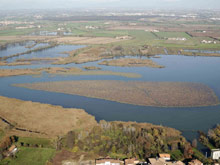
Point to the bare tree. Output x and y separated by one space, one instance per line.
194 143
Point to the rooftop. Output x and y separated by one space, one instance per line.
195 162
12 148
164 155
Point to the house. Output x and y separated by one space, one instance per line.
155 161
215 154
11 151
91 27
165 156
108 161
162 161
132 161
195 162
156 31
208 42
177 39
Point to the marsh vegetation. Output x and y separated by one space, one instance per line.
164 94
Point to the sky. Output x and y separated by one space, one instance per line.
148 4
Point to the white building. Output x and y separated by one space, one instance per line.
177 39
108 161
215 154
91 27
208 42
155 31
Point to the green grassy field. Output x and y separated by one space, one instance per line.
176 155
106 33
173 35
35 141
30 156
14 32
140 37
198 155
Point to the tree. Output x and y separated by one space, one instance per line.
1 156
194 143
70 140
188 152
114 149
174 146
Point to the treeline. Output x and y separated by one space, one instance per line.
97 18
122 140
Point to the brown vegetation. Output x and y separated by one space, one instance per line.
4 63
17 72
90 54
168 94
25 38
36 59
131 62
165 28
65 156
48 120
213 34
83 55
62 71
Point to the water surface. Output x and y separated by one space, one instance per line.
57 51
178 68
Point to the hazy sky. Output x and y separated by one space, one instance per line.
52 4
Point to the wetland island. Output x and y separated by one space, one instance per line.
164 94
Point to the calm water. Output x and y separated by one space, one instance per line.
202 51
47 53
178 68
15 48
50 33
